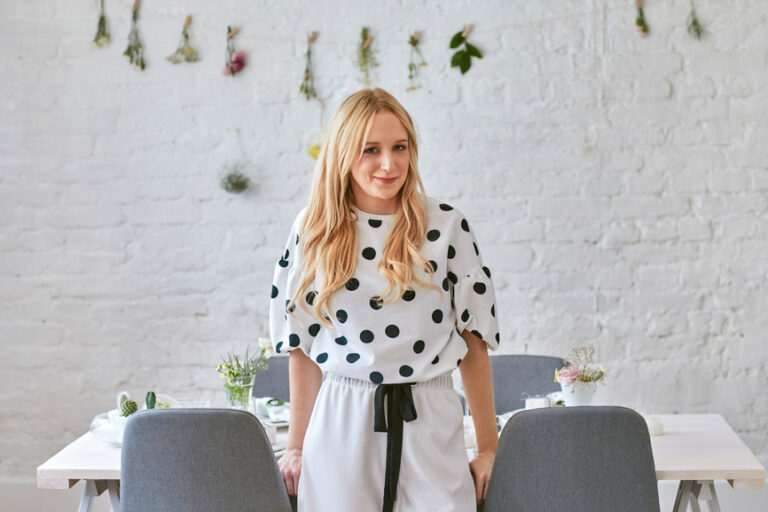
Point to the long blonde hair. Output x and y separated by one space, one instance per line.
328 234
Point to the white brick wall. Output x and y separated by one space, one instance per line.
617 186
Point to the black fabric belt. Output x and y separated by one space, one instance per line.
399 408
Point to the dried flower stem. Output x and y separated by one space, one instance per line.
365 57
416 61
102 32
184 52
307 87
640 24
135 50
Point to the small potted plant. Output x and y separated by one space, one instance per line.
238 372
579 376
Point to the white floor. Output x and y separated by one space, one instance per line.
27 498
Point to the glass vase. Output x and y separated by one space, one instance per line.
239 392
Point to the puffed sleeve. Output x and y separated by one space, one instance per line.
473 296
298 327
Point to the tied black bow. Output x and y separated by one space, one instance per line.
399 408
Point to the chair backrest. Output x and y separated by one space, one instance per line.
196 460
595 459
274 380
517 375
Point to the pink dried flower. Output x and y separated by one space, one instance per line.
226 71
238 61
568 374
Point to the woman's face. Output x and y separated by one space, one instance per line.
380 172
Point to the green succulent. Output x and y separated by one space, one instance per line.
129 407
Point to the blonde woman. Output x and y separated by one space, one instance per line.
383 292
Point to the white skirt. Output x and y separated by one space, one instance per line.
344 459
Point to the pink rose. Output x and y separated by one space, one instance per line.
238 61
568 374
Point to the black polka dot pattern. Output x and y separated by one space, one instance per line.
283 263
275 291
406 371
479 288
446 207
493 310
437 316
311 297
376 302
433 235
465 225
369 253
418 347
465 316
314 329
452 277
451 252
446 284
374 223
433 264
477 251
497 338
458 362
353 357
376 377
477 333
392 331
279 347
341 316
321 358
436 360
293 340
352 284
487 272
341 340
366 336
409 295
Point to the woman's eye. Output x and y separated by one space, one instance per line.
400 147
370 151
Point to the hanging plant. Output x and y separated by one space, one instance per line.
463 58
695 30
307 87
416 61
235 60
135 51
102 33
365 57
184 52
640 25
235 181
315 145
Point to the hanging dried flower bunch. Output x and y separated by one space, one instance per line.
695 30
235 60
307 87
416 61
365 57
135 51
102 33
235 181
184 52
640 25
463 58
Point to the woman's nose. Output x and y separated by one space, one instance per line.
386 161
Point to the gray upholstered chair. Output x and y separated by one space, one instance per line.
516 376
583 459
274 380
199 460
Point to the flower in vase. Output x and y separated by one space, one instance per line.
567 375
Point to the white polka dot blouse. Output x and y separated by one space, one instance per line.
414 339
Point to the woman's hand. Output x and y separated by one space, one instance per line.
290 468
480 467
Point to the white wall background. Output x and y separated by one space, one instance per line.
617 186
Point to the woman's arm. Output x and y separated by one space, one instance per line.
475 371
305 378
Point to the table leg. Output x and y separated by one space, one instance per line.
683 496
114 494
91 490
695 488
705 490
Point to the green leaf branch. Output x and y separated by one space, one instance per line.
463 58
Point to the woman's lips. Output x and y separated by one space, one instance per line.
385 180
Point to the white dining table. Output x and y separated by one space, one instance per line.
695 449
